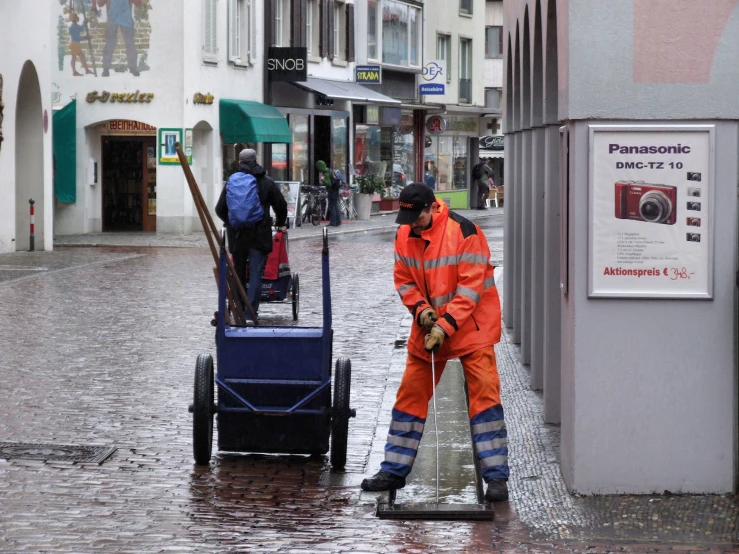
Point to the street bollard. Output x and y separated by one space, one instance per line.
31 202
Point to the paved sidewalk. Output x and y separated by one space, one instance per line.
384 221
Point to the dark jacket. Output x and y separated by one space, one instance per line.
260 237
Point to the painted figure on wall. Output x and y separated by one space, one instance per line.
75 43
95 41
119 17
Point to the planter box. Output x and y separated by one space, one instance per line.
363 205
389 204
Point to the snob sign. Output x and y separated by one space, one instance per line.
287 64
651 211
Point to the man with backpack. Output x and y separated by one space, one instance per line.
244 207
331 180
481 172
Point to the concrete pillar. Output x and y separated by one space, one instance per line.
537 258
514 277
526 243
510 210
552 294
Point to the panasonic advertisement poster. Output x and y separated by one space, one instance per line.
650 225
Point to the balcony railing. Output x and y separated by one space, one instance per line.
465 6
465 91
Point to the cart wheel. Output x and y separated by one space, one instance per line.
202 410
315 219
296 296
341 413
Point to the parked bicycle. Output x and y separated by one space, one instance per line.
315 204
346 201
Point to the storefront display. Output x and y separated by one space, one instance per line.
651 229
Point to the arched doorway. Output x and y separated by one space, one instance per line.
203 162
29 159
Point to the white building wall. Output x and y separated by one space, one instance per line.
177 71
21 42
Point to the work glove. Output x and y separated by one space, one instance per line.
434 339
428 318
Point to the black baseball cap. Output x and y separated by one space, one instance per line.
413 199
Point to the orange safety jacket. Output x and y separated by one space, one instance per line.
448 269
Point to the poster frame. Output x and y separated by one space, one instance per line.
710 210
164 157
296 214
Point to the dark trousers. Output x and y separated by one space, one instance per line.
333 207
111 37
255 259
482 195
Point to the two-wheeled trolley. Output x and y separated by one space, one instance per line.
274 386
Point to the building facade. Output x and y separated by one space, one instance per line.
621 235
25 128
131 79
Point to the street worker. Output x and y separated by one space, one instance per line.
252 244
330 180
444 277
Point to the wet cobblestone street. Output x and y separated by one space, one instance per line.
99 346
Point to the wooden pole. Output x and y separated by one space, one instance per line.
211 234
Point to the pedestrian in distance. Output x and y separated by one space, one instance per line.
444 277
251 244
481 174
332 182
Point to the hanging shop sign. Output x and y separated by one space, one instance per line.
287 64
491 142
433 78
120 97
368 74
435 125
651 210
200 98
128 127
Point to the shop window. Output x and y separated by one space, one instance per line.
445 163
210 36
279 162
492 98
300 147
493 42
240 33
400 31
367 151
339 138
444 52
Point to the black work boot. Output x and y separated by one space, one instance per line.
497 490
383 481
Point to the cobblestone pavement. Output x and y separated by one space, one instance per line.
99 348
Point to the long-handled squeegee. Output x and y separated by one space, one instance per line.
435 511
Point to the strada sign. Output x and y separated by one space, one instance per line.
368 74
651 212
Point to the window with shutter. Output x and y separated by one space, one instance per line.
350 32
337 29
210 44
330 20
323 26
309 26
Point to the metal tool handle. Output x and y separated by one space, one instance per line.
436 427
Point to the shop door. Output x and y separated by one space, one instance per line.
321 143
129 183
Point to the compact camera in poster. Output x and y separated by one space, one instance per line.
647 202
694 221
692 237
695 192
692 176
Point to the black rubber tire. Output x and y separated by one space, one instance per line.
340 421
203 408
315 219
296 296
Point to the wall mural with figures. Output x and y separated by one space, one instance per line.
97 37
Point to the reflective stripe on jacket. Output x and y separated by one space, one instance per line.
448 268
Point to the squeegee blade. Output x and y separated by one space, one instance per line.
431 511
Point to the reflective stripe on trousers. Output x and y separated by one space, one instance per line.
403 437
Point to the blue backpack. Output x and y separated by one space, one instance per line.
242 198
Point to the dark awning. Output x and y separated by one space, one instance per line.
246 121
64 146
345 90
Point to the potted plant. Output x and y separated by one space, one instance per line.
369 185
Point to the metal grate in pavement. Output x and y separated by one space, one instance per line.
55 452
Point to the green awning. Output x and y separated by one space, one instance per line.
64 146
245 121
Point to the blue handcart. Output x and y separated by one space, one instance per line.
274 387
